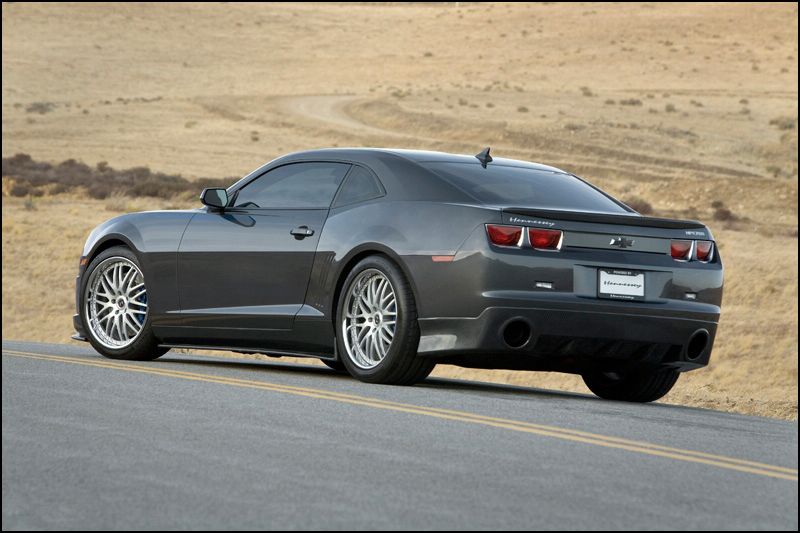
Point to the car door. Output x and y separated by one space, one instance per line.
247 267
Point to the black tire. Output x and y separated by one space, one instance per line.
638 386
335 365
401 365
145 347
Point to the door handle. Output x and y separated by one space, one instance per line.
301 232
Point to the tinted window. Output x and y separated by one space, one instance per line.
360 185
297 185
525 187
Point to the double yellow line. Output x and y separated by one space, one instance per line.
585 437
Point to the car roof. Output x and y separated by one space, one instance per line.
417 156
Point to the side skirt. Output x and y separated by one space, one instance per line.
250 350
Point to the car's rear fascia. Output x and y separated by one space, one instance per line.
554 294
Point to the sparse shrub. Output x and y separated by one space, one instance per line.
744 101
586 91
489 105
40 107
610 102
571 126
19 190
716 204
774 170
724 214
639 205
670 108
631 101
522 109
31 176
462 102
428 54
783 123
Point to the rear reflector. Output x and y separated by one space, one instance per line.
704 249
681 250
504 235
442 258
545 239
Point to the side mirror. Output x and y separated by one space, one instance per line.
216 198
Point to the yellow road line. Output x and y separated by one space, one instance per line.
720 461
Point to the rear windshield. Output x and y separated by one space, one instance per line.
525 187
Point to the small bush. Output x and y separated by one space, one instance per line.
40 107
670 108
631 101
639 205
783 123
586 91
724 214
716 204
522 109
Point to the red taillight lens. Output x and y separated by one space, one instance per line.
681 250
704 249
504 235
545 239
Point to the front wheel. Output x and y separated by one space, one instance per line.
377 327
634 386
115 307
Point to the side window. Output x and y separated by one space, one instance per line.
293 186
360 185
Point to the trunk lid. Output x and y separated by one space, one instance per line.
630 232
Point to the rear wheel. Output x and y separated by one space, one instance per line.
115 307
634 386
377 327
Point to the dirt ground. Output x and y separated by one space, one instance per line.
690 108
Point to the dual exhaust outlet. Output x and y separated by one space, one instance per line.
516 333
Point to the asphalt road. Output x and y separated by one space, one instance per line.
193 442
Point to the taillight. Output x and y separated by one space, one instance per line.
703 250
504 235
681 250
545 239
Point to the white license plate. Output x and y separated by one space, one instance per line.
620 284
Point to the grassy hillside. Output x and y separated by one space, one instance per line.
683 110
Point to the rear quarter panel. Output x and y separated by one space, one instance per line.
409 232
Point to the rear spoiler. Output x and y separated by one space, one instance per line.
632 219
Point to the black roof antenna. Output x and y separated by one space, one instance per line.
484 157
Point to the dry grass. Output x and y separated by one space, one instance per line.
644 100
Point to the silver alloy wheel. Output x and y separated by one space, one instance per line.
369 319
115 301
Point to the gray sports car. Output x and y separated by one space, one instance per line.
384 263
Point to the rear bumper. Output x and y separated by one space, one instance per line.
572 339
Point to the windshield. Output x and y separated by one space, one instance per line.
525 187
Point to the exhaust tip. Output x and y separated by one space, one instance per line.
516 333
697 344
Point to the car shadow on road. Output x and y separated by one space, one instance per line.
457 385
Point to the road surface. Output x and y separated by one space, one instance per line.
196 442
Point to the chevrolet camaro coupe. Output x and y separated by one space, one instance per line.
384 263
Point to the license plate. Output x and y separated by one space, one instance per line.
620 284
